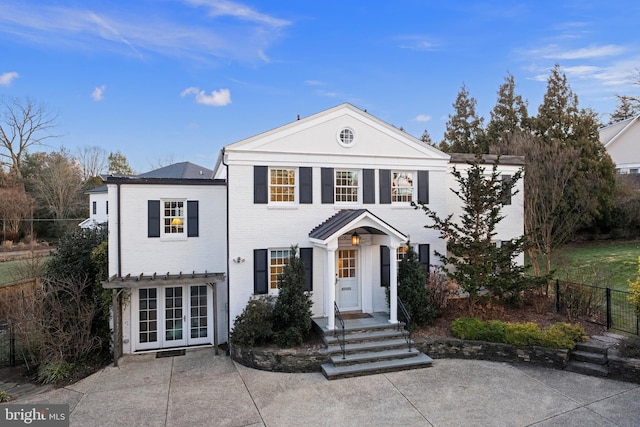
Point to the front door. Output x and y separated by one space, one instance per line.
172 316
348 291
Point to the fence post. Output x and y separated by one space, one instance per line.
609 317
12 346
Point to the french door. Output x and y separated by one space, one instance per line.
172 316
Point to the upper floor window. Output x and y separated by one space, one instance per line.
346 186
278 258
95 207
173 217
401 187
282 185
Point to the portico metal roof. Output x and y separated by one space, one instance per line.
345 217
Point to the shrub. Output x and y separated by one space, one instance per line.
559 335
292 310
54 372
254 326
441 287
522 333
413 290
472 328
4 396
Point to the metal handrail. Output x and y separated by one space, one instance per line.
336 332
407 324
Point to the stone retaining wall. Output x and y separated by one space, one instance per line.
309 360
621 368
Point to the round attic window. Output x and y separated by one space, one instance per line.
346 137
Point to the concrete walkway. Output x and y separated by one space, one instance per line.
201 389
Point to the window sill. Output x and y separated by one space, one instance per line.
282 207
173 239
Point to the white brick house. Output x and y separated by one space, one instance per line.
338 184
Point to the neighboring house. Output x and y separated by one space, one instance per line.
338 185
622 141
98 208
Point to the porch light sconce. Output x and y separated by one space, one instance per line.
238 260
355 238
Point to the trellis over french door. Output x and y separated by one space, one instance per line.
172 316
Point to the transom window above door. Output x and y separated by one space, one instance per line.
173 217
347 186
282 185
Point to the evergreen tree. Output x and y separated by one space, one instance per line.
464 132
473 259
508 117
426 138
413 291
118 164
628 107
559 118
292 310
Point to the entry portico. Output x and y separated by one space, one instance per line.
348 261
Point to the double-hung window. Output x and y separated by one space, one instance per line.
282 185
173 217
400 253
402 187
278 258
347 186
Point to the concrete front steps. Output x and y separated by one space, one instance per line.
371 350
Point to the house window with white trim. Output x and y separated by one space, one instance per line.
347 186
400 253
173 219
401 187
278 258
282 185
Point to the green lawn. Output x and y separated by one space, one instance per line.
5 271
604 263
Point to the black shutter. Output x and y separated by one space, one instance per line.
95 207
306 185
153 218
368 186
326 178
385 186
424 255
192 218
260 272
385 266
306 255
260 186
423 187
506 183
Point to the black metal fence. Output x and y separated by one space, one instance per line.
608 307
7 345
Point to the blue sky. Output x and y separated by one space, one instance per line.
175 80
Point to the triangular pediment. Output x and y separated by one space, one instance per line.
320 134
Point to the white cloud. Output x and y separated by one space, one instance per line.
217 98
98 93
423 118
229 31
556 52
416 42
7 78
237 10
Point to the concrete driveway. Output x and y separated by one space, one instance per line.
201 389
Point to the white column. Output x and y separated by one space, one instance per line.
393 285
330 286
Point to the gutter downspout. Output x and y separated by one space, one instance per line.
228 275
117 307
